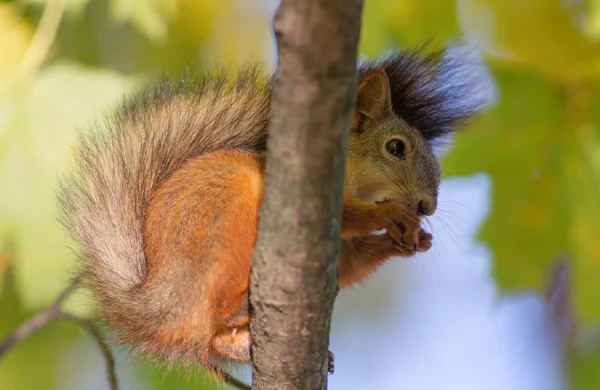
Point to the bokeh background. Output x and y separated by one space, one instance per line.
522 187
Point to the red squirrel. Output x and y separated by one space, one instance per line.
164 199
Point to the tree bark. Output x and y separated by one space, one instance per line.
294 268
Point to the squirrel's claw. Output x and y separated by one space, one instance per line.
330 363
424 241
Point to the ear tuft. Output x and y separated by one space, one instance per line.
374 96
437 92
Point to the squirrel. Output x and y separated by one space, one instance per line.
164 198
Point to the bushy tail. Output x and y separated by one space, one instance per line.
121 163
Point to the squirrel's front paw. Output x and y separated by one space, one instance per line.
424 241
233 344
402 226
422 244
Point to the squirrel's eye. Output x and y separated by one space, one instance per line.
396 147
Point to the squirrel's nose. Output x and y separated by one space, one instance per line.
425 206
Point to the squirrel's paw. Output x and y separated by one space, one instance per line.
402 226
422 244
424 241
233 344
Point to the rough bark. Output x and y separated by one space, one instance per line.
294 268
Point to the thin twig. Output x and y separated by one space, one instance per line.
41 319
558 296
54 311
42 39
226 377
97 336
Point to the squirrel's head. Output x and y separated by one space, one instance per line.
406 106
389 159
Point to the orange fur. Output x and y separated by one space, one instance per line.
205 216
202 221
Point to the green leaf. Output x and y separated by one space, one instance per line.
71 6
541 146
584 360
387 25
149 16
182 378
36 149
545 174
593 19
17 35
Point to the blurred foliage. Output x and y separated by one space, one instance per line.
541 144
102 49
542 147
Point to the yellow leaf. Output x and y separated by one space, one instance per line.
16 34
390 24
592 24
241 31
543 35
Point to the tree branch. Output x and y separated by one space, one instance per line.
294 268
226 377
558 298
109 360
42 39
54 311
35 323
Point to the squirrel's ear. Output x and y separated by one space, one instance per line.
374 95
